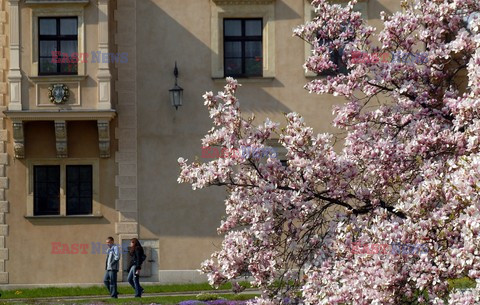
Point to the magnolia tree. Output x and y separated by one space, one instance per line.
407 173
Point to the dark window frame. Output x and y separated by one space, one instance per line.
58 38
78 210
242 38
336 56
43 201
39 197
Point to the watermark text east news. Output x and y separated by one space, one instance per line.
96 248
96 57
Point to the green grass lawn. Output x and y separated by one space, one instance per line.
164 300
462 283
97 290
168 299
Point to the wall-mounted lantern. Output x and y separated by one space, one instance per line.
176 93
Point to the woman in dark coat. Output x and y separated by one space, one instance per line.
136 254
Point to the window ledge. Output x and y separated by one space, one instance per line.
320 76
244 80
56 78
62 216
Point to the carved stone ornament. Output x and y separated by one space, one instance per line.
61 139
104 138
18 140
58 93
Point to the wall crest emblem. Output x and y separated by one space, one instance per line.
58 93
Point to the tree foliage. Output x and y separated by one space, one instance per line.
408 172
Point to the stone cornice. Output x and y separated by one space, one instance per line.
56 78
42 2
242 2
67 115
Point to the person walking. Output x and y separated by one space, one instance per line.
111 267
137 256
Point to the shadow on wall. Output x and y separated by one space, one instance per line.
181 33
375 7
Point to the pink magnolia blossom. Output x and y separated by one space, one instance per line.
409 171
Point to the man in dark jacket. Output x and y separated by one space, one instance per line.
111 267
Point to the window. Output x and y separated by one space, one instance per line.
58 45
336 56
79 189
243 47
46 189
251 21
280 151
73 25
63 187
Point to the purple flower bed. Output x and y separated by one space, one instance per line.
212 302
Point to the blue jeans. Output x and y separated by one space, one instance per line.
110 281
134 281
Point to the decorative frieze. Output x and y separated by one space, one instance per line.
61 139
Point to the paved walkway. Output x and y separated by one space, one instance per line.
58 300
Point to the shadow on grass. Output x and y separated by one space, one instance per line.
164 300
97 290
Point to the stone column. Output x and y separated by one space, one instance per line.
103 77
14 74
126 133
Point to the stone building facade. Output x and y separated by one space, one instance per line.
89 142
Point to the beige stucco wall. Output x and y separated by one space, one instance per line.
30 240
185 221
